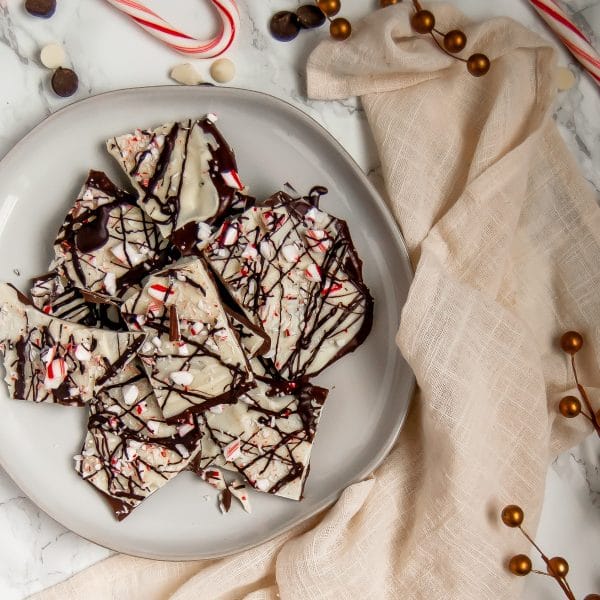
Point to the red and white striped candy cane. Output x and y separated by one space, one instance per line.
178 40
571 36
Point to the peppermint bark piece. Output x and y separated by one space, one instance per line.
50 360
193 357
127 464
267 435
294 270
185 174
106 243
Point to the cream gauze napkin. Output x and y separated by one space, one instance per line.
503 232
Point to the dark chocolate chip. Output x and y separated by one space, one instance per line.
65 82
40 8
310 15
284 26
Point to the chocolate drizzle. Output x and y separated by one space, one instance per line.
93 233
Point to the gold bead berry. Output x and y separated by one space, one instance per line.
384 3
558 567
569 407
340 29
455 41
520 565
571 342
422 21
512 515
329 7
478 65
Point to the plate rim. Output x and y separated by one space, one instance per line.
313 124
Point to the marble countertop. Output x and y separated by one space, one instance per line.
35 551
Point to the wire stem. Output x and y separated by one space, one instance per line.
585 397
532 542
444 49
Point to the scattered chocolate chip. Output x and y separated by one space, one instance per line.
284 26
65 82
310 15
40 8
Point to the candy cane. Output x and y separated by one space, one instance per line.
570 35
178 40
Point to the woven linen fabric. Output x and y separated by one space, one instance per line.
503 232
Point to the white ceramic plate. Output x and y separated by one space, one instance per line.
370 389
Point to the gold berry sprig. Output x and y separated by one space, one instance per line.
570 406
520 564
453 42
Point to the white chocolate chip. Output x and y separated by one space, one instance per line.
565 79
53 56
186 74
222 70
